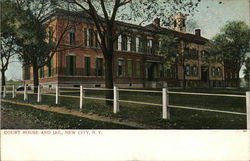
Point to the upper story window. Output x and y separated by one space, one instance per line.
97 39
119 47
72 40
142 45
50 34
133 43
149 46
137 44
155 46
88 37
124 42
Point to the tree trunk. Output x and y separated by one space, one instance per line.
35 76
109 77
3 80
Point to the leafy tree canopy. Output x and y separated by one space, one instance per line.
232 43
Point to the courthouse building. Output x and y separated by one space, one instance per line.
137 62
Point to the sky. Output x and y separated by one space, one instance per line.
211 16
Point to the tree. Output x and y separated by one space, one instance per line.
28 26
8 46
104 14
231 45
177 52
7 53
170 48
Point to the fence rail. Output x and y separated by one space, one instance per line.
116 100
207 94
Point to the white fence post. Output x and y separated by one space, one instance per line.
13 91
39 96
25 95
165 103
57 94
4 91
248 109
116 98
81 97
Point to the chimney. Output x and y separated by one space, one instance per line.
198 32
156 22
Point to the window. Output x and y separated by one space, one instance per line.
155 46
99 66
149 46
50 34
129 43
72 36
133 43
195 70
137 44
187 70
87 66
124 42
88 37
71 64
27 72
41 72
130 68
138 69
91 37
161 70
213 72
119 47
218 71
50 68
142 45
191 70
120 68
97 38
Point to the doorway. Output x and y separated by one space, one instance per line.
204 73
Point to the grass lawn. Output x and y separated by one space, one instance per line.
152 115
40 119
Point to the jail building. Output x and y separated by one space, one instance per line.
137 61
